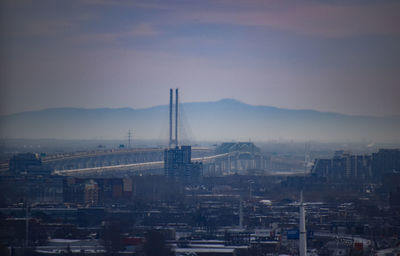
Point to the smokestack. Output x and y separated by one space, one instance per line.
170 115
303 234
176 118
240 214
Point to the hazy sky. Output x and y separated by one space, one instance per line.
340 56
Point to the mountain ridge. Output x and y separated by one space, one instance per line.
190 103
225 119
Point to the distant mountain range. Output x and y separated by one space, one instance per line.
224 120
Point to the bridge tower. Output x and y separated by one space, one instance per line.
177 160
173 141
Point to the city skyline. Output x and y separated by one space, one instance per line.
269 101
336 57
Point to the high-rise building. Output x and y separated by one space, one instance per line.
178 165
344 166
361 167
24 162
385 161
91 193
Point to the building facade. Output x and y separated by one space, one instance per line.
178 165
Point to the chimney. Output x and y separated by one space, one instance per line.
302 224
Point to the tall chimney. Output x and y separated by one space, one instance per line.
302 224
240 214
176 118
170 115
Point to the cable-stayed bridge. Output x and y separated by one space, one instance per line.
229 157
213 165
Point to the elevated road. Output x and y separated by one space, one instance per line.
145 161
105 157
96 153
107 152
136 168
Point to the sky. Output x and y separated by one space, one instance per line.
336 56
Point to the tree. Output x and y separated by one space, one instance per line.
112 237
155 245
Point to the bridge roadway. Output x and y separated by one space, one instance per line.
96 153
71 160
111 157
106 157
137 168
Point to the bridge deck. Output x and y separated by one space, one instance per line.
136 166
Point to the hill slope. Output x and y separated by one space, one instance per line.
222 120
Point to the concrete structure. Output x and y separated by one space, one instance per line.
214 165
178 163
102 158
345 166
385 161
173 141
91 193
303 233
24 162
